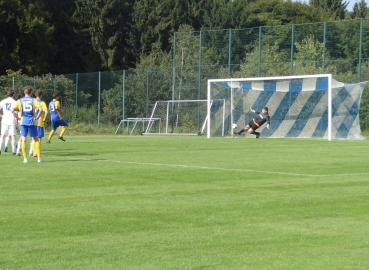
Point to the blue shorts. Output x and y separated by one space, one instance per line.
32 130
58 123
40 132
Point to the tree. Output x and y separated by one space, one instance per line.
26 37
335 8
296 13
74 52
104 23
152 26
360 10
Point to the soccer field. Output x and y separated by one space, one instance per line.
139 202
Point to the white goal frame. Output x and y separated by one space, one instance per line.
135 122
165 121
230 81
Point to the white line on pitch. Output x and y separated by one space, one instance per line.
222 169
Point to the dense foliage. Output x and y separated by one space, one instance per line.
40 38
70 36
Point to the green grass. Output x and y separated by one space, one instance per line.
138 202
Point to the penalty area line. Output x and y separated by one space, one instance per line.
220 169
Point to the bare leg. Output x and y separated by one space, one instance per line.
251 131
242 130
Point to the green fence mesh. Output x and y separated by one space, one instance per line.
339 47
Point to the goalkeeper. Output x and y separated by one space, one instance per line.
256 122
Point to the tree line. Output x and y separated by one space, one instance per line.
77 36
80 37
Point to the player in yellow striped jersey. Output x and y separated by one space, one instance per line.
56 119
40 122
27 107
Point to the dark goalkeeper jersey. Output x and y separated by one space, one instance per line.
261 118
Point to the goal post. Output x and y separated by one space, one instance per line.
305 106
180 117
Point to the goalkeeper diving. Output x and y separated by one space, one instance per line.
256 122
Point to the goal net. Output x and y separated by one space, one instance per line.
310 106
180 117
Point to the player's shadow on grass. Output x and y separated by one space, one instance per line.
66 153
75 154
74 160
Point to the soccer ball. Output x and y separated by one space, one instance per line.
234 126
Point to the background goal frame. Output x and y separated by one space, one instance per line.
170 109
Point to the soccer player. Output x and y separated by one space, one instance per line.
27 106
56 118
19 143
9 122
40 122
6 141
256 122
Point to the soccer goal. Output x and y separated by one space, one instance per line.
309 106
180 117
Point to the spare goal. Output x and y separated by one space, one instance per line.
309 106
181 117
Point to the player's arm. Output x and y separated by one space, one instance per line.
37 107
39 110
268 122
49 110
58 107
254 111
16 109
16 115
44 108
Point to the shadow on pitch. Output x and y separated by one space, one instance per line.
73 160
66 153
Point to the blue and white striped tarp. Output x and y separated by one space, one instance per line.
298 107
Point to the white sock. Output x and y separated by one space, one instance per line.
1 142
19 147
13 145
6 141
30 149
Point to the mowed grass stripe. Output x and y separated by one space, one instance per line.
119 202
215 168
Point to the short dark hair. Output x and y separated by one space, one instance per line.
38 93
10 93
27 89
266 108
55 95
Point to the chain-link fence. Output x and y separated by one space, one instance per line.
340 48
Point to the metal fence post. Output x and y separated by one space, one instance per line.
174 65
199 78
259 52
76 107
124 86
292 48
229 52
324 45
199 69
99 105
147 92
360 50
